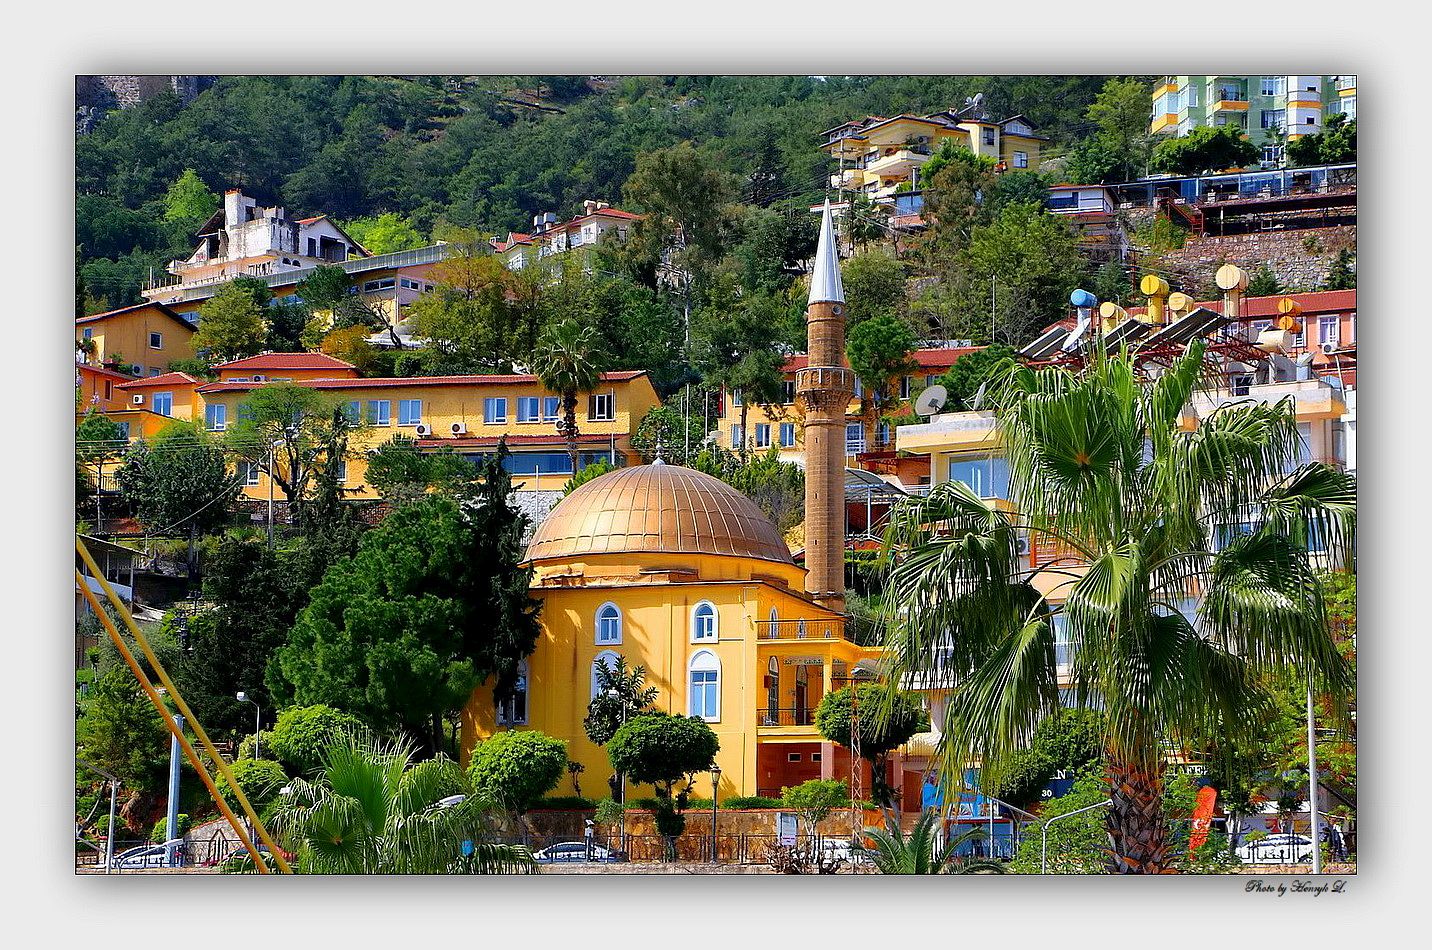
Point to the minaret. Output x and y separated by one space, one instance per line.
825 388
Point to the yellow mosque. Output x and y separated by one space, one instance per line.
676 571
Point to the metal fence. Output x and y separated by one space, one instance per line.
732 848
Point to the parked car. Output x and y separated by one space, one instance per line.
146 856
1277 849
577 851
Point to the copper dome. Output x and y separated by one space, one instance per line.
658 508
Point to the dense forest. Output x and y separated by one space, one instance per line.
485 153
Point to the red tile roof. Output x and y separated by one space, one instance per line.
103 371
165 379
287 361
139 306
239 385
928 358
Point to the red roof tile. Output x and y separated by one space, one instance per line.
165 379
238 385
104 371
287 361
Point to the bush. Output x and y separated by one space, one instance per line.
303 734
246 745
160 833
743 802
566 803
609 812
518 768
260 779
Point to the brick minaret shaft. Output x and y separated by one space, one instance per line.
825 387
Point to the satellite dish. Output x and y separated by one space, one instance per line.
931 401
976 402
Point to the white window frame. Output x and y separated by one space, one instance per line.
703 661
785 428
216 417
353 410
404 408
250 473
1021 159
763 435
788 392
600 620
156 335
1324 323
167 401
385 418
736 436
494 410
343 471
703 631
87 333
555 404
535 402
603 658
602 407
907 386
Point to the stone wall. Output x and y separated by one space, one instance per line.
1299 258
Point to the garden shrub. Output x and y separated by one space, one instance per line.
741 802
260 779
566 802
303 733
518 768
160 833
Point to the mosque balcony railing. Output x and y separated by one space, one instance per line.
801 630
774 716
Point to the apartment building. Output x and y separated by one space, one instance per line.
1090 211
468 414
878 156
549 237
147 337
1271 110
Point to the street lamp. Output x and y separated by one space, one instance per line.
715 783
243 697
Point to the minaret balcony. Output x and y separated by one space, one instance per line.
826 379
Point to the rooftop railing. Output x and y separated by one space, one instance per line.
801 630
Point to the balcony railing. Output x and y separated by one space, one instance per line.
801 630
766 716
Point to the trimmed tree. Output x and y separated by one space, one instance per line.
884 719
663 750
517 768
303 734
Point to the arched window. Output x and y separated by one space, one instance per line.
512 711
607 658
704 679
609 623
703 623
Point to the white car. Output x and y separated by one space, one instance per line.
1277 849
145 856
839 848
577 851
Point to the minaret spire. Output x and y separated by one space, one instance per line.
825 387
825 276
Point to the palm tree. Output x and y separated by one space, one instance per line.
921 853
568 361
1174 623
373 810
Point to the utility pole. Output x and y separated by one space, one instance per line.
171 821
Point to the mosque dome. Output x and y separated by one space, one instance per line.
657 509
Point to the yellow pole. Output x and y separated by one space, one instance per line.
168 720
184 710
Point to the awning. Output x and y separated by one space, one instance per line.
922 743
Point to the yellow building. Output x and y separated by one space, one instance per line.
148 335
468 414
676 571
877 155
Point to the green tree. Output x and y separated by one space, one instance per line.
921 852
664 750
1336 144
569 362
373 809
1121 112
815 800
189 202
329 289
431 605
606 713
1204 150
956 183
303 733
1264 283
119 731
1100 462
1069 742
687 206
777 488
663 427
400 473
879 351
882 718
1032 260
736 347
180 482
515 769
968 373
385 233
1111 283
231 325
1093 162
480 316
260 780
874 284
287 431
1342 275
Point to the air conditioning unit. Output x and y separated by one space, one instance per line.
1022 546
423 430
137 399
258 378
1330 348
459 428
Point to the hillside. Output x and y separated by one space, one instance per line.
480 152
